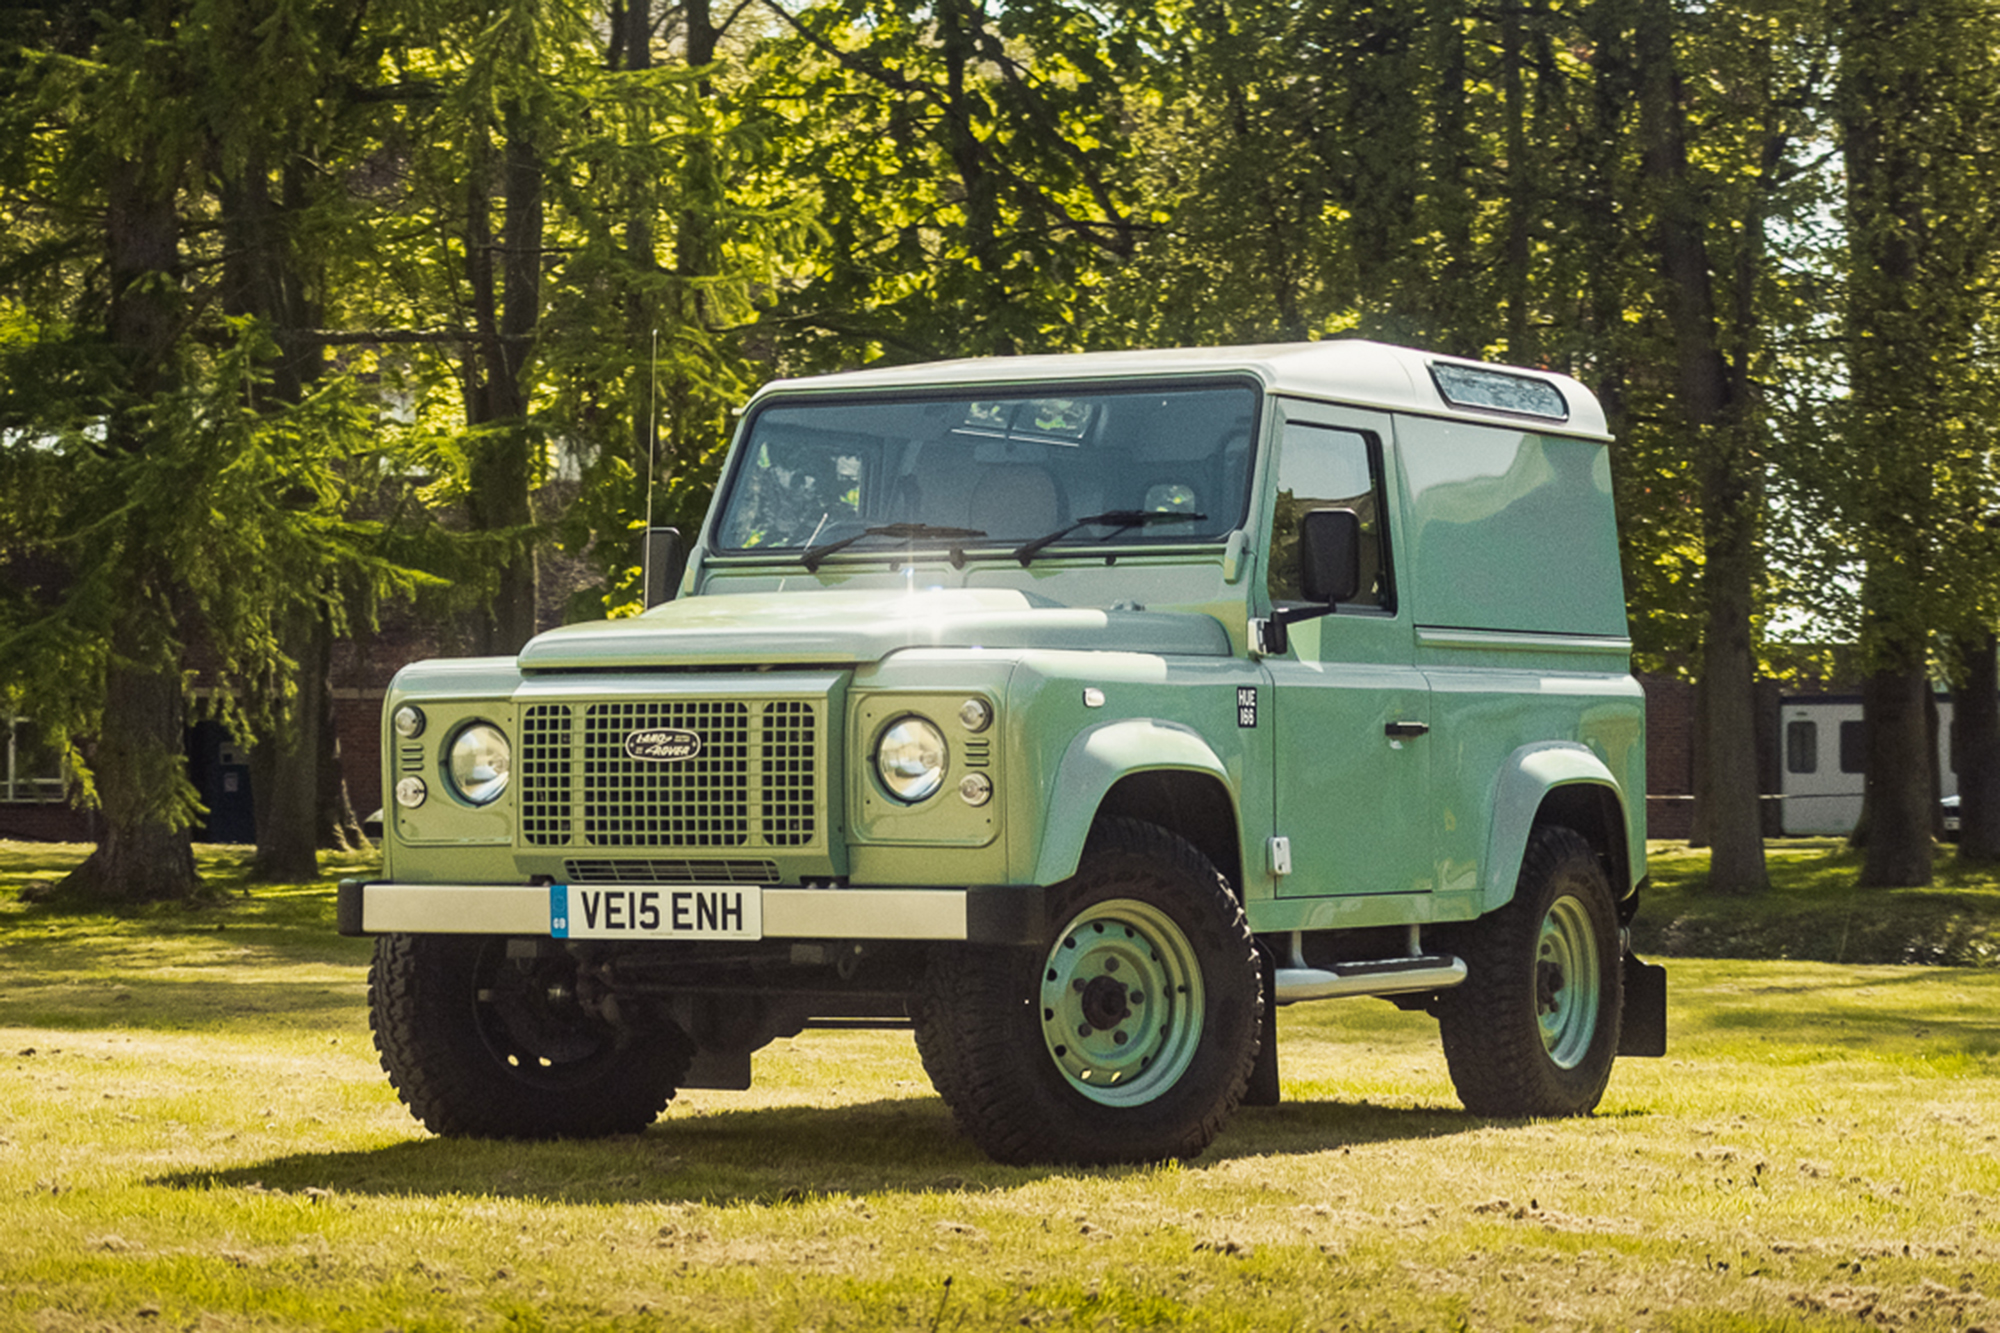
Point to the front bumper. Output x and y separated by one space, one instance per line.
982 915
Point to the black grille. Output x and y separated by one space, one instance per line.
751 783
670 872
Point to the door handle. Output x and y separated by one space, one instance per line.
1406 730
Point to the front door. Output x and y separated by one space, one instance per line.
1351 717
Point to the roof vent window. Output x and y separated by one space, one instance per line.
1498 391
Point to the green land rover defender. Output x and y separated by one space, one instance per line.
1074 711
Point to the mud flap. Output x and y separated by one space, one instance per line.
1644 1030
1263 1086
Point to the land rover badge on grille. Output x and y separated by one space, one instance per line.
662 745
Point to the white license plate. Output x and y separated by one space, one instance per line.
655 912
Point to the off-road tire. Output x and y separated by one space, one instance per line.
1534 1028
1047 1054
932 1021
481 1046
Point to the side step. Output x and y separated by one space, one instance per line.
1389 976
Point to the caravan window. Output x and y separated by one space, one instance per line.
1853 747
1802 747
29 770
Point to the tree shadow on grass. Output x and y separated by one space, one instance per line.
1834 1014
244 1002
775 1157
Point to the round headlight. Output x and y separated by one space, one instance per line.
910 758
478 763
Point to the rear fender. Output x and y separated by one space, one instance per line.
1532 773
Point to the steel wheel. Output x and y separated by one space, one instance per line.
1126 1035
1567 983
1122 1001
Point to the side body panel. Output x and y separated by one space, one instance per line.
1521 634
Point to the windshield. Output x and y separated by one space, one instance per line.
992 473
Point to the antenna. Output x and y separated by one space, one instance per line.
652 456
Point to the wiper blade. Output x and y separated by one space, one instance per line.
1116 519
813 555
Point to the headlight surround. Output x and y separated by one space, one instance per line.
910 759
478 763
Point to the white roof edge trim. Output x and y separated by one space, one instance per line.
1352 371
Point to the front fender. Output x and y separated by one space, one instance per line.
1530 774
1094 762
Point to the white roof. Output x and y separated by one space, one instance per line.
1346 370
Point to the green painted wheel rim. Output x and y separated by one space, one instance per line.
1122 1003
1568 982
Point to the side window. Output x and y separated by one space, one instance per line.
1320 467
1853 747
1802 747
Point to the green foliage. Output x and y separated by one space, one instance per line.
988 150
232 516
450 286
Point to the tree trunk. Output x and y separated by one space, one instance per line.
1898 778
1975 745
1727 701
1698 778
141 856
1883 101
1728 480
339 827
261 279
139 758
507 301
287 761
1456 304
1517 251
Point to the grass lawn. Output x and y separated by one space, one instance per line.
194 1135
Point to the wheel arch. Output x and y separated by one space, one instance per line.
1141 768
1556 782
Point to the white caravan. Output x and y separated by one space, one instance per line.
1824 755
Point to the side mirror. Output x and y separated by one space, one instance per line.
1329 574
664 560
1330 555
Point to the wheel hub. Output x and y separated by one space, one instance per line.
1105 1002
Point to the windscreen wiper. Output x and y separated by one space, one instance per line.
813 555
1116 519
